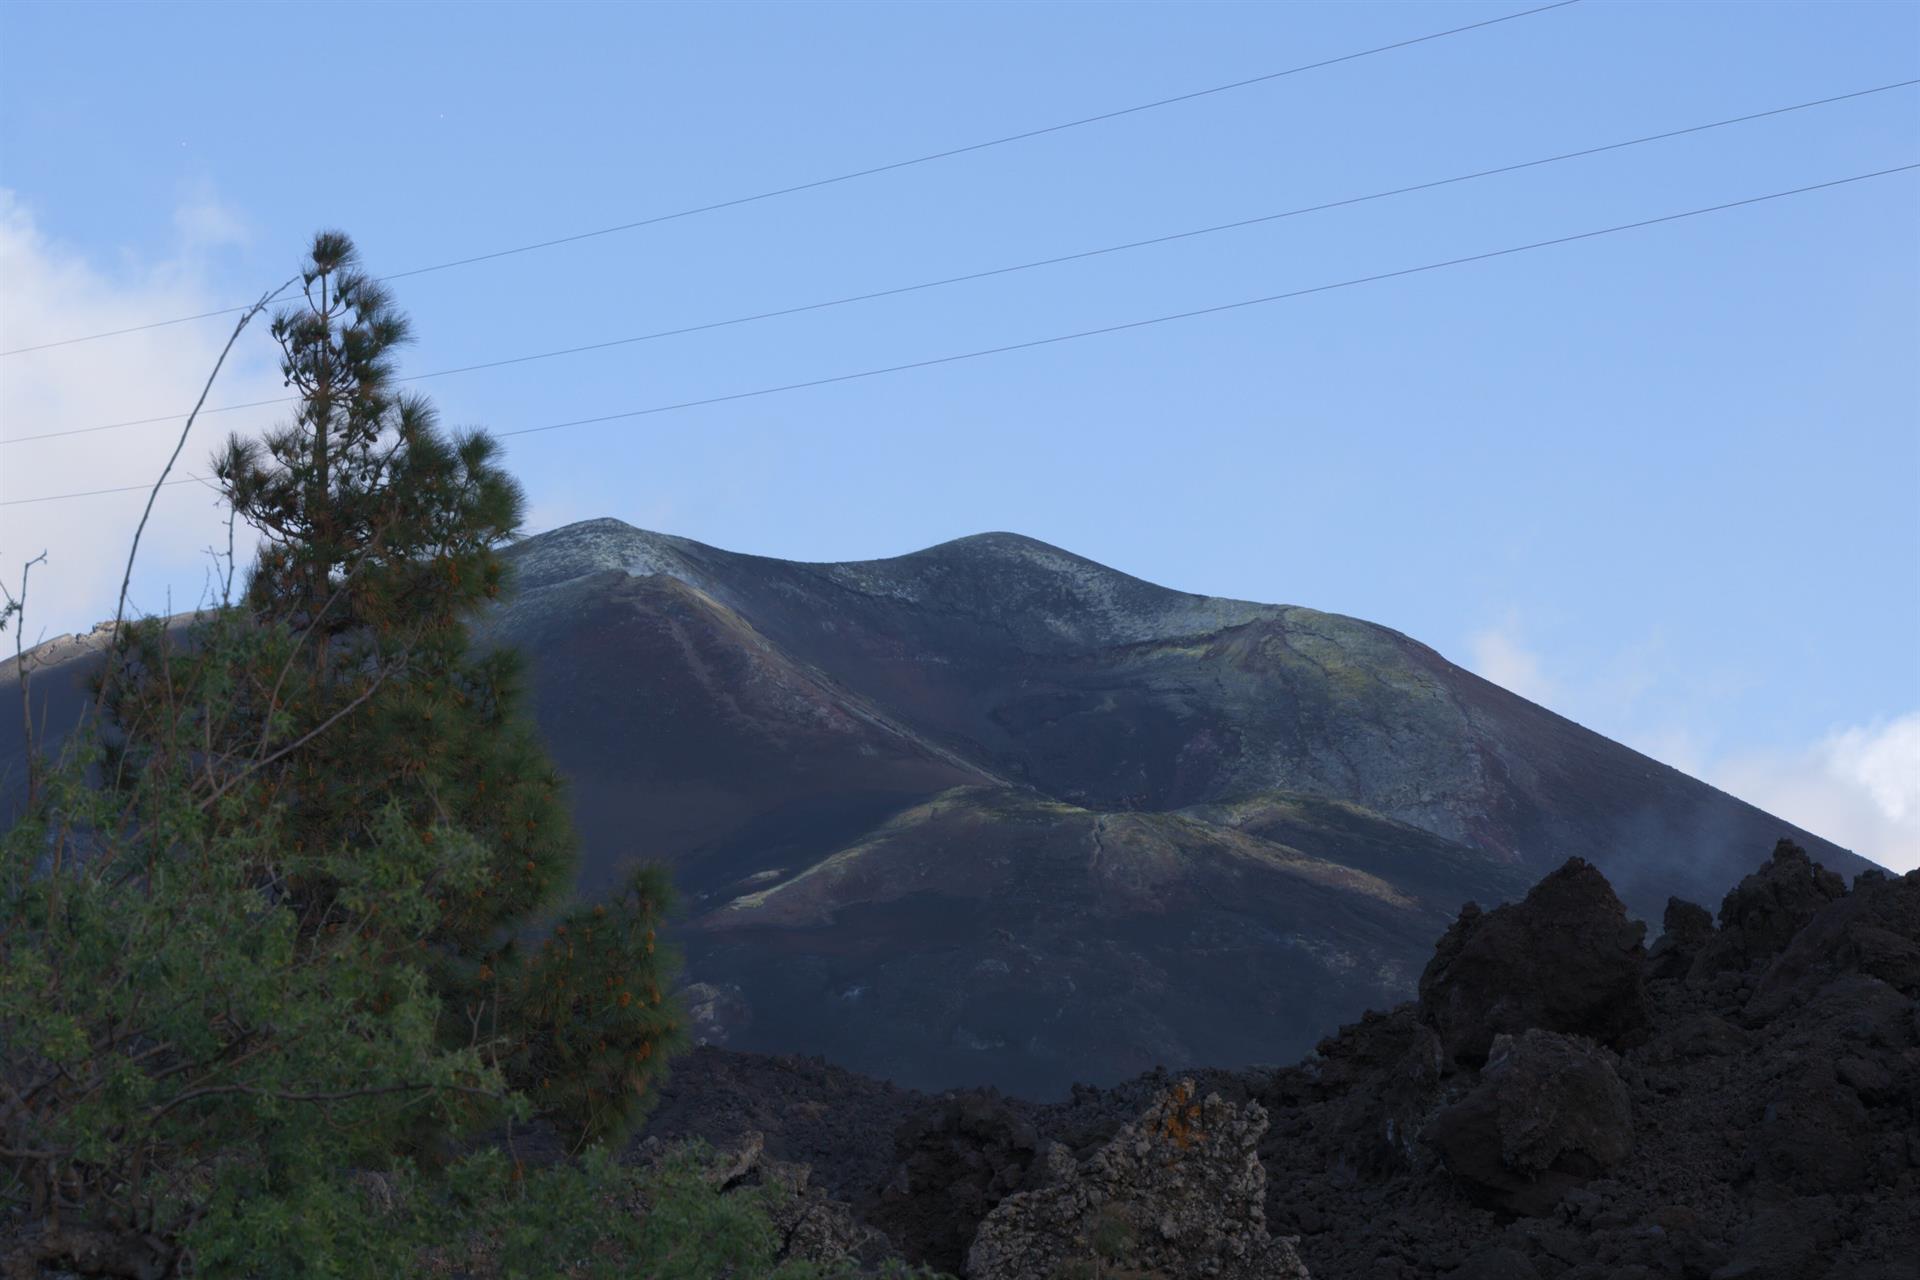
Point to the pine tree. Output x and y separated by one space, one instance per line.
380 539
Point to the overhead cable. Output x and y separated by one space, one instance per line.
891 167
1008 270
1116 328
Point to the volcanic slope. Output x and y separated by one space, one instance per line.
991 934
1002 659
992 813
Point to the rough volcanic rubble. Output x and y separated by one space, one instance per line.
1737 1102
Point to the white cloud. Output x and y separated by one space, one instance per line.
1883 761
1858 787
205 223
54 292
1499 655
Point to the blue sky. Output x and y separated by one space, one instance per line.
1663 481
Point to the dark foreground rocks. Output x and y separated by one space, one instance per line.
1741 1101
1178 1192
1564 959
1548 1114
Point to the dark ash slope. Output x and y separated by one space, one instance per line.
994 813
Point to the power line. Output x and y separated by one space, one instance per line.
817 183
1023 266
94 493
1117 328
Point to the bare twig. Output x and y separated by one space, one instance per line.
17 610
120 609
226 586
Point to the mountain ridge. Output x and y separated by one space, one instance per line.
1108 873
1312 635
990 812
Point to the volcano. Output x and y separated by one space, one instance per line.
992 813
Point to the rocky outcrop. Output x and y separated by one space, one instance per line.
1685 930
1766 1125
813 1227
1874 931
1387 1070
1760 916
1548 1114
1179 1193
1564 959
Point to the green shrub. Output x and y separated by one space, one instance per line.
178 1047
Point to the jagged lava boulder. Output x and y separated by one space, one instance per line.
1760 915
1874 931
1400 1062
1548 1114
1179 1193
1565 958
1685 930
